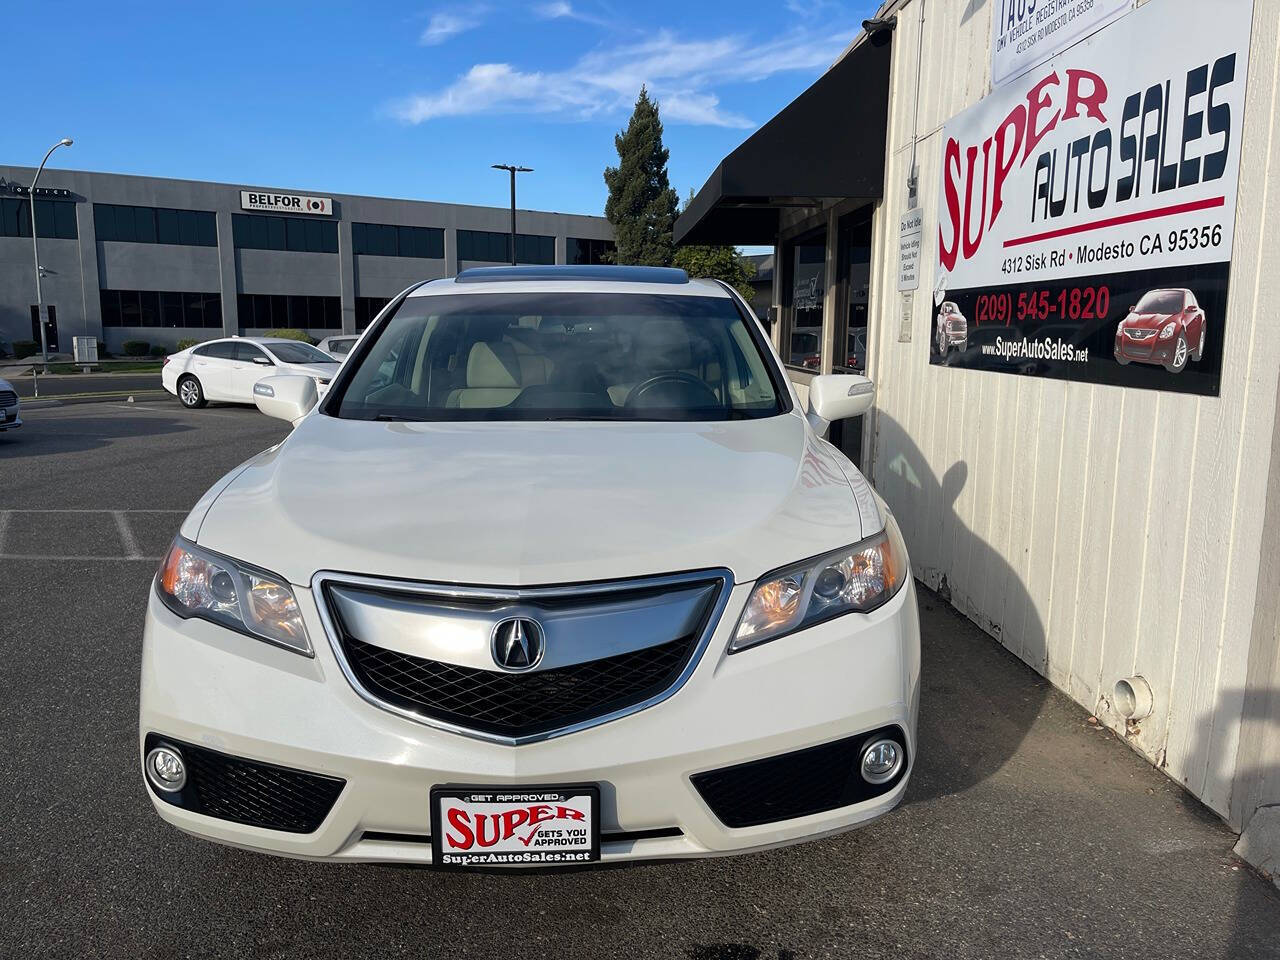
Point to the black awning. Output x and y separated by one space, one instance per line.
827 144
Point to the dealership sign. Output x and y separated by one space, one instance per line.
1026 33
1086 210
284 203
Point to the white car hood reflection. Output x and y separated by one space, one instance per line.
516 504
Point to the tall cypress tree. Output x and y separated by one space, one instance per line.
641 205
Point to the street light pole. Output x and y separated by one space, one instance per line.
35 252
513 170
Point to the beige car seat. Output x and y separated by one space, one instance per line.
496 373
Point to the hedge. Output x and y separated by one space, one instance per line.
188 342
136 348
289 334
25 348
158 351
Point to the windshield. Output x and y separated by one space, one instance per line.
561 356
1161 301
298 353
341 346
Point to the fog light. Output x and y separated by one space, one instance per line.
165 769
881 761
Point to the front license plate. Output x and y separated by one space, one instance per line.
503 826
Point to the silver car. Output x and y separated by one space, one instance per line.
338 347
10 407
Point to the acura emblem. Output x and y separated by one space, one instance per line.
517 644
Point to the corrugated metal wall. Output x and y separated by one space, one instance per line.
1095 531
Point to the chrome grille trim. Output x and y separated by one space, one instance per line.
8 398
324 579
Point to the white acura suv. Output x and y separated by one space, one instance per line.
603 592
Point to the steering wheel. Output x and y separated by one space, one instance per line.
686 382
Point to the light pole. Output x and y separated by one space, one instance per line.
513 170
35 252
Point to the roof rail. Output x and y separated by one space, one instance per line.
604 272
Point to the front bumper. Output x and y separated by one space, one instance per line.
1148 350
208 686
12 420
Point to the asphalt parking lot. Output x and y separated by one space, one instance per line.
1027 832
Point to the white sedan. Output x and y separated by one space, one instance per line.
608 594
10 406
228 369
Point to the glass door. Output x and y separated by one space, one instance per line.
853 263
804 288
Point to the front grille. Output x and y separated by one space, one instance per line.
246 791
1139 334
517 704
8 398
813 780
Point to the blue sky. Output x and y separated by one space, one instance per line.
406 100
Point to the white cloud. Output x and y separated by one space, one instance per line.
446 24
563 10
554 11
809 8
683 75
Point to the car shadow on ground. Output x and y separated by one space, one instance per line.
88 433
969 726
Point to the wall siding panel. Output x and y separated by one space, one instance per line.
1094 531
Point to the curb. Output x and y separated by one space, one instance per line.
140 396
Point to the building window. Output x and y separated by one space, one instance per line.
367 308
55 219
253 232
585 252
190 228
489 247
387 240
853 256
263 311
150 308
805 286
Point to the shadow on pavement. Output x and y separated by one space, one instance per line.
969 726
1255 787
84 433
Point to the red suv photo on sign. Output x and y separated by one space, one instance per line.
1165 327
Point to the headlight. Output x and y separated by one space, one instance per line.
1168 329
855 579
198 583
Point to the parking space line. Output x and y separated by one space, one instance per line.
127 539
64 558
4 522
93 510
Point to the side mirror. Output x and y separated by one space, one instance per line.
286 397
839 396
1133 309
263 360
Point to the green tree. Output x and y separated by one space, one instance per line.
641 205
717 263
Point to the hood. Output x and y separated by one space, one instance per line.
1146 321
516 504
325 371
6 385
